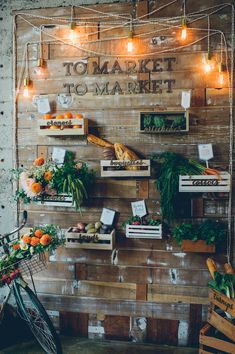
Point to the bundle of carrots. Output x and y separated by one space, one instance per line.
202 170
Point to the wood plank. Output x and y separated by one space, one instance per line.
208 339
141 292
162 331
221 324
195 324
117 327
73 324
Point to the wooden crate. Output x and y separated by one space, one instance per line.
128 168
207 183
222 324
169 119
222 301
65 127
197 246
208 339
55 200
144 231
104 241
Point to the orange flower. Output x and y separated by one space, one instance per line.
26 238
16 246
47 176
39 161
34 241
38 233
36 187
45 239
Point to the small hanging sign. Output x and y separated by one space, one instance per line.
185 99
58 155
41 102
107 216
139 208
64 100
205 152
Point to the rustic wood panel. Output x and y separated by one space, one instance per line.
73 324
117 327
162 331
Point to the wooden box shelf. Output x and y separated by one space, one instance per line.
144 231
130 168
205 183
207 339
197 246
164 122
63 127
55 200
102 241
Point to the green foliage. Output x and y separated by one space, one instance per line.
147 121
170 167
179 122
213 232
141 221
159 122
224 283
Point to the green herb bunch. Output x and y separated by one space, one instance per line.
224 283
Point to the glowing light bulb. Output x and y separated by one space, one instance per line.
26 88
207 67
72 33
221 79
184 33
130 45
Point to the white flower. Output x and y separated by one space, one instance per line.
31 250
23 245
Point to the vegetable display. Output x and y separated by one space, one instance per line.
171 166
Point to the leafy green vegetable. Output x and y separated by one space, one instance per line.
179 122
147 121
224 283
159 122
209 231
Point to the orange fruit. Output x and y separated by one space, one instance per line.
54 127
39 161
59 116
38 233
34 241
45 239
36 187
26 238
47 116
77 126
68 115
78 116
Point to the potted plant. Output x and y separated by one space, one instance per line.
48 178
200 237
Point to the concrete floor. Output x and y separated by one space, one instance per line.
85 346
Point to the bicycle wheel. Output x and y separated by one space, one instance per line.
31 310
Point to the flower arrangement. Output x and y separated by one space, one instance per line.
47 178
37 241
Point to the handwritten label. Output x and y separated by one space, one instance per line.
205 182
127 163
139 208
223 302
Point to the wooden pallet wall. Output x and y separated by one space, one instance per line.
152 280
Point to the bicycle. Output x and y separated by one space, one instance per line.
28 305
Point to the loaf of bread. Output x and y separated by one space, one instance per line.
109 153
98 141
123 153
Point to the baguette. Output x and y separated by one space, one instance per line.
123 153
211 267
228 268
98 141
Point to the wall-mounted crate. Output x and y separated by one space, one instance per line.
89 241
164 122
205 183
197 246
55 200
144 231
126 168
209 339
222 322
62 127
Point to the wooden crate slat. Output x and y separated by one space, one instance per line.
66 124
207 183
111 168
55 200
209 340
221 324
72 240
144 231
222 301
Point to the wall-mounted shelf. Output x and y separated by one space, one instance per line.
94 241
205 183
164 122
63 127
199 246
126 168
144 231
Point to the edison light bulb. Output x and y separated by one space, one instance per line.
184 33
207 67
221 79
26 88
130 42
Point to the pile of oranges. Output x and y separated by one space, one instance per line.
38 238
67 115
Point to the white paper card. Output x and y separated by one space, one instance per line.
58 155
205 152
43 104
64 100
107 216
185 99
139 208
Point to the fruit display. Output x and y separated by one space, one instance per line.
61 121
92 228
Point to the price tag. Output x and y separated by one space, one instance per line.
139 208
107 216
43 104
205 152
64 100
58 155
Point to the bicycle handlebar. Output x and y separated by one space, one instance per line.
25 214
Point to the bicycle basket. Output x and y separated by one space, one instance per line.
33 265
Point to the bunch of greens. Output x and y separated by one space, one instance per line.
171 166
179 122
136 220
159 122
224 283
210 231
147 121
